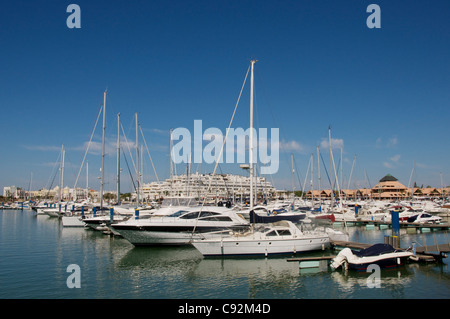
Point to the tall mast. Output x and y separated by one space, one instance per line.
137 161
118 159
87 180
103 151
251 133
318 170
170 157
312 175
61 174
31 181
293 183
341 185
331 163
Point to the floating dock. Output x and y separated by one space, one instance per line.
386 224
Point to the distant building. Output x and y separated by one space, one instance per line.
13 192
196 185
388 188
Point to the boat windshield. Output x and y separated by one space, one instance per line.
193 215
179 201
178 213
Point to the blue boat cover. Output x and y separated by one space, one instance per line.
256 218
375 250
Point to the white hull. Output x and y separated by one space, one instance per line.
265 239
72 221
346 217
348 259
149 238
236 246
178 229
100 222
52 212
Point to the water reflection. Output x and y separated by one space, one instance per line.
182 272
393 280
113 268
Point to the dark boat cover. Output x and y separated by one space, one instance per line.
256 218
375 250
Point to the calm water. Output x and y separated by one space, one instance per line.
35 252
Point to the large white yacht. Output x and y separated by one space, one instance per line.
180 227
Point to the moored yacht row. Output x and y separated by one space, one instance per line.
212 230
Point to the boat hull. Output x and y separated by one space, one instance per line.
101 223
262 247
386 262
382 255
166 235
72 221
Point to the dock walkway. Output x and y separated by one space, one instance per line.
375 222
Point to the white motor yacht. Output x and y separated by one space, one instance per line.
180 227
281 237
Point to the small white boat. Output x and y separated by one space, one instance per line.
52 212
72 221
424 218
101 222
281 237
383 255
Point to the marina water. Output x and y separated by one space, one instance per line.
35 252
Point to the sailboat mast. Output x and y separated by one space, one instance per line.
137 161
103 151
61 173
87 180
252 62
118 159
331 162
293 182
312 176
318 171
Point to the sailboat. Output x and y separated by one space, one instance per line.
282 237
100 222
57 211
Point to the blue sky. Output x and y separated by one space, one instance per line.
384 92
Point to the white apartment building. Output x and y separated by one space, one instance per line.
196 185
13 192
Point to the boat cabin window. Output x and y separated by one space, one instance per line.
178 213
272 233
284 232
218 218
194 215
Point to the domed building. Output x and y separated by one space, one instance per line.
389 188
